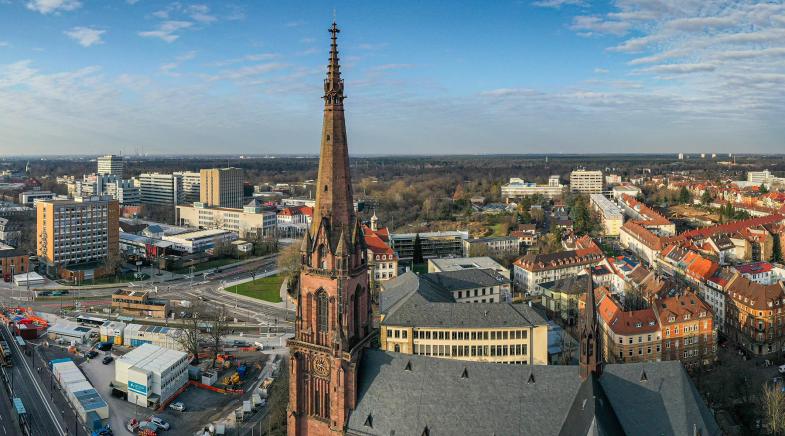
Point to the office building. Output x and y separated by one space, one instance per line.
124 191
586 182
150 374
29 198
422 319
434 244
496 246
160 189
611 216
191 181
250 222
111 164
76 237
221 187
135 335
461 263
518 188
199 241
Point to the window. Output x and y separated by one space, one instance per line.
322 311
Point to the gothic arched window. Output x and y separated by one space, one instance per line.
322 311
322 257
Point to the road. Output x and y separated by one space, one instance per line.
8 424
45 418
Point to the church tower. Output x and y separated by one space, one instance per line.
590 362
332 322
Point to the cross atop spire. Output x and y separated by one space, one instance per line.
333 85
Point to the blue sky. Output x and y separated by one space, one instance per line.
90 76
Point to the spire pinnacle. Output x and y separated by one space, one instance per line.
333 84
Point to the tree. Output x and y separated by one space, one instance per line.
774 407
776 255
706 198
417 258
113 263
191 334
763 189
217 322
289 263
684 195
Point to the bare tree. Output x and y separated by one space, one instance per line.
217 327
567 348
191 333
774 407
289 262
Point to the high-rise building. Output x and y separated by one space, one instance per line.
160 189
586 182
221 187
111 164
191 181
77 237
333 305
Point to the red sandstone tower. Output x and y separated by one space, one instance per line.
332 323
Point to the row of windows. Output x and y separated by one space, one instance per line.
630 352
470 335
640 339
470 350
476 292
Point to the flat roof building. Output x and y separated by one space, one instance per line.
110 164
586 182
611 214
151 374
221 187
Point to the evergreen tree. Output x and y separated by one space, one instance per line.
706 197
417 251
684 195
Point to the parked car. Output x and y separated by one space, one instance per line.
160 423
781 369
178 406
107 360
91 354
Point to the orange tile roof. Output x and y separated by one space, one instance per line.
622 322
678 306
376 244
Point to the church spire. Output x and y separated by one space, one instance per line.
590 361
334 203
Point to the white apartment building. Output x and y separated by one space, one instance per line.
763 177
518 188
151 374
586 182
610 213
124 191
248 222
200 240
110 164
191 182
160 189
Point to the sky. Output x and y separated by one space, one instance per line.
422 77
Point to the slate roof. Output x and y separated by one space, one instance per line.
402 395
465 279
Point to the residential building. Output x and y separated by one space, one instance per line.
611 216
160 189
518 188
10 231
77 237
29 198
13 261
753 315
139 302
110 164
623 189
382 260
434 244
191 182
496 246
527 234
687 329
628 336
338 385
292 221
758 272
150 375
560 298
533 269
199 241
221 187
124 191
713 292
612 179
426 321
461 263
586 182
249 222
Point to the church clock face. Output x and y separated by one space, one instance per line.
321 366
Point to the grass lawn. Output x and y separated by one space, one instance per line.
267 289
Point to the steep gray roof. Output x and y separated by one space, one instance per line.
571 285
402 394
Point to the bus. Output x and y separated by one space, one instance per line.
21 415
90 320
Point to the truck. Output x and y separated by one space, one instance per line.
265 386
257 401
247 408
5 353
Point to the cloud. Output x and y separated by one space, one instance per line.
556 4
167 31
85 36
591 25
200 13
5 44
295 23
601 70
680 68
49 6
170 67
